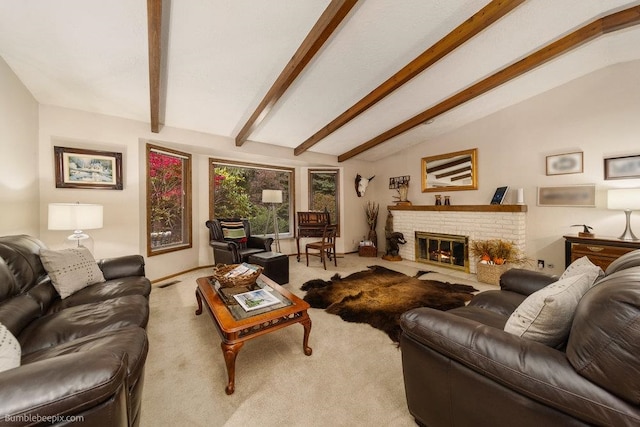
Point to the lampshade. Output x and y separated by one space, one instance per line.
74 216
271 196
624 198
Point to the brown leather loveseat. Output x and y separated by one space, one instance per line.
82 356
462 369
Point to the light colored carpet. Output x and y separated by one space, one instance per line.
353 377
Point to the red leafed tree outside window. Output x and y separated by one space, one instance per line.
168 207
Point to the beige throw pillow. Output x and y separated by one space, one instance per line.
71 269
9 350
546 315
583 265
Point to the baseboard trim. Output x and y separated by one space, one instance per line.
162 279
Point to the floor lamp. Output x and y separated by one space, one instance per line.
75 217
273 197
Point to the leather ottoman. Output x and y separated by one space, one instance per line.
275 265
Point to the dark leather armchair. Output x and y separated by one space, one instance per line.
235 250
461 368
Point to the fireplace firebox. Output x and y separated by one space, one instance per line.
446 250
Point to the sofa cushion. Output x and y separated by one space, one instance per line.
500 302
18 312
21 254
131 341
583 265
603 345
83 320
9 350
628 260
136 285
71 269
546 315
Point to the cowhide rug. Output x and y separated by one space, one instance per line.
379 296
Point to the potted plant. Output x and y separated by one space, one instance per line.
372 221
494 257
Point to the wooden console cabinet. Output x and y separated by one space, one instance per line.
602 251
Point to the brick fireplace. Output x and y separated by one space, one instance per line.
475 222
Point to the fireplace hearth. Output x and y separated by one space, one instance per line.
445 250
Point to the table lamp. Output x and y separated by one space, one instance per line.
75 217
626 199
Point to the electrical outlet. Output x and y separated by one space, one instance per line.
540 264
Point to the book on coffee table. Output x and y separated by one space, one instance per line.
253 300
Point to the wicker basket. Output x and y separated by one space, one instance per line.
220 270
490 273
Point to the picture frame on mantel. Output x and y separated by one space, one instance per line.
563 164
91 169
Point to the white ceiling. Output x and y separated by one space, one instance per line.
224 55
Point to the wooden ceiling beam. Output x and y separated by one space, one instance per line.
614 22
465 31
333 15
154 29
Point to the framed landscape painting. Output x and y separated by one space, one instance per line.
78 168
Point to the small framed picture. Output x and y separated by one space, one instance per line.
622 167
498 196
78 168
562 164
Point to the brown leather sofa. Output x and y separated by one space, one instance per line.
83 356
462 369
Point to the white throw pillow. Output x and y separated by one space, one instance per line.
9 350
583 266
71 269
546 315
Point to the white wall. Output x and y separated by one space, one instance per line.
19 197
597 114
124 214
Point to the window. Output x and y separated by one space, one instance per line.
324 192
236 192
168 200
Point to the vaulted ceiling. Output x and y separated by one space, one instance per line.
354 79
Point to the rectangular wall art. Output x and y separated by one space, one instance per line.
397 181
563 164
78 168
622 167
568 195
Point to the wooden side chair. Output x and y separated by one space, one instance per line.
326 247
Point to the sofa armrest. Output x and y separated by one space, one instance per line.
62 385
124 266
525 282
527 367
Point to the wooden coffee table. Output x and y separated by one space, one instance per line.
235 330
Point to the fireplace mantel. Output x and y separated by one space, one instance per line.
460 208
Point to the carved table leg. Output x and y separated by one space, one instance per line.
199 300
306 324
230 352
